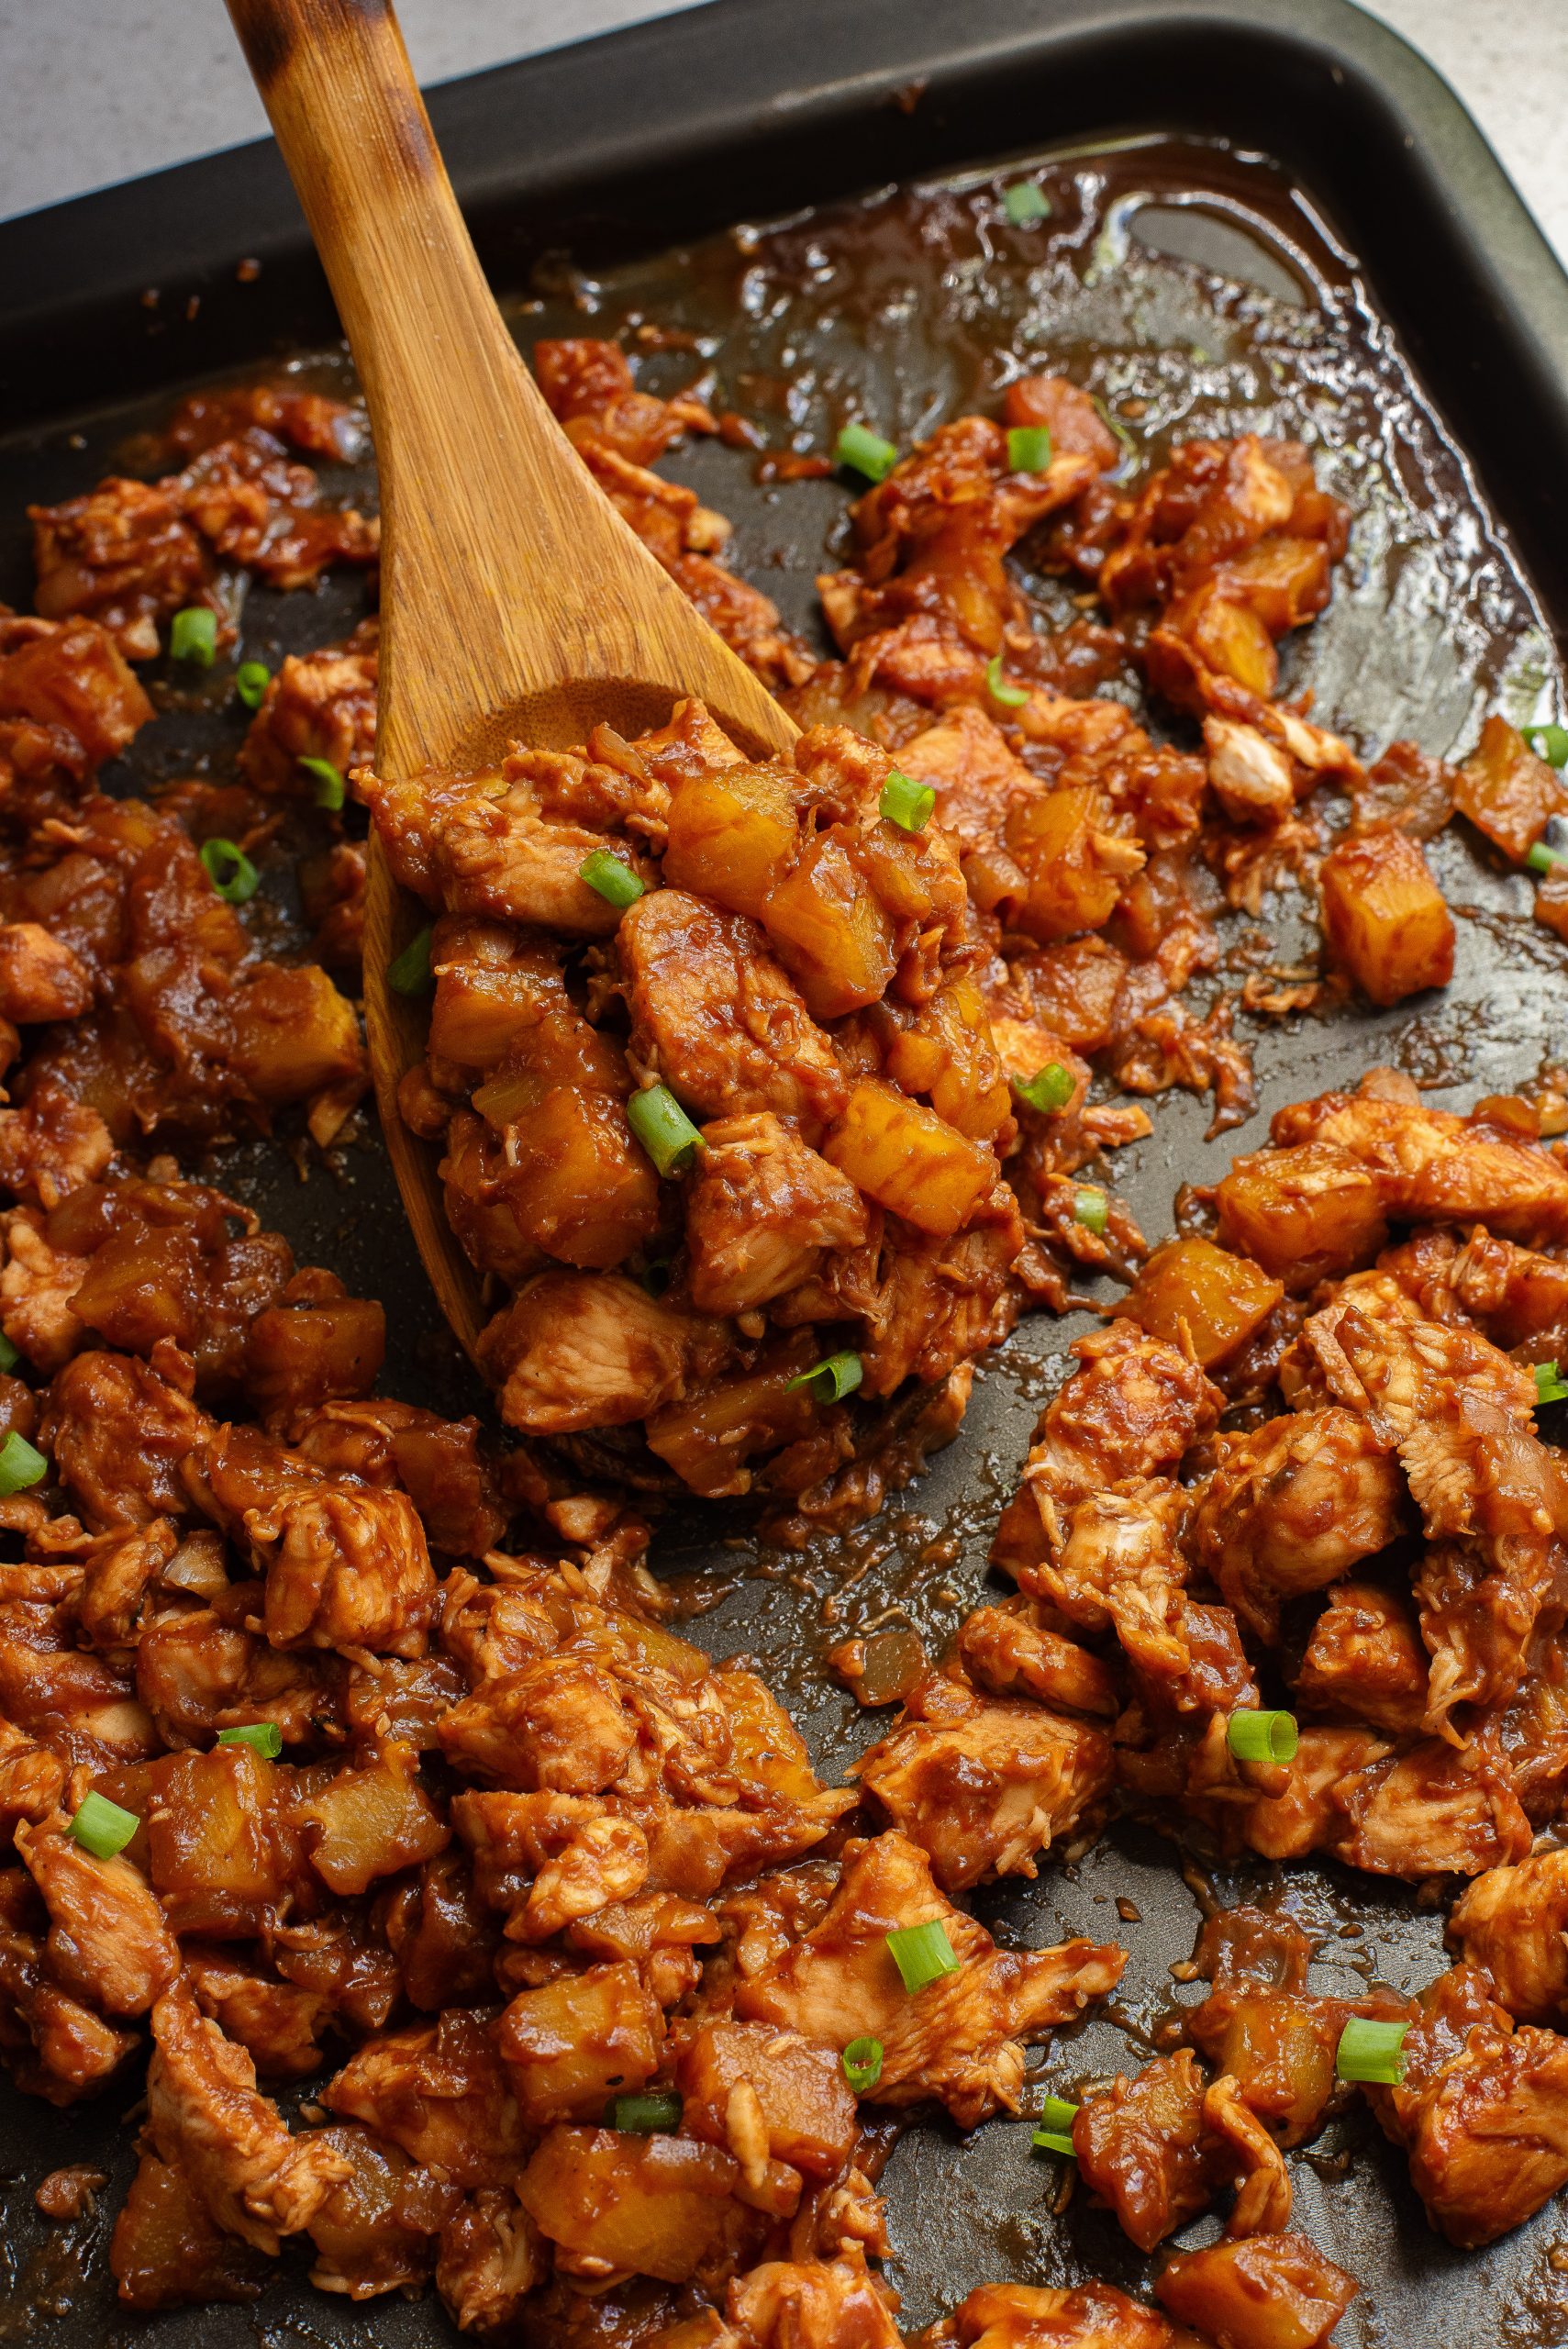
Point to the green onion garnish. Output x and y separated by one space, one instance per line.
230 871
10 1356
611 876
1549 1386
250 682
1372 2051
1054 2141
660 2111
997 686
865 451
262 1736
193 636
102 1827
1548 742
20 1465
1090 1208
1254 1736
862 2063
410 973
904 802
922 1953
1055 2136
1024 204
663 1129
1029 449
828 1381
1543 859
329 783
1048 1089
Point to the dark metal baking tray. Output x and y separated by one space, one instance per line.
581 169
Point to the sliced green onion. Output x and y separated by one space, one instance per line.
250 682
611 876
831 1380
1024 204
20 1464
1372 2051
1254 1736
329 783
262 1736
862 2063
1091 1208
997 686
102 1827
10 1356
1549 1386
410 973
1054 2141
193 636
1059 2112
663 1129
1543 859
230 871
904 802
922 1953
1029 449
1050 1088
865 451
641 2116
1548 742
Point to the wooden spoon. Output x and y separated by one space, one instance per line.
517 605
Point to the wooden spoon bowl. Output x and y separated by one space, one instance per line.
517 604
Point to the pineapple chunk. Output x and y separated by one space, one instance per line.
1385 918
1073 867
829 932
374 1821
1506 792
1219 1299
572 2044
909 1160
732 835
613 2203
1304 1215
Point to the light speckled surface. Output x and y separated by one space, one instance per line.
95 91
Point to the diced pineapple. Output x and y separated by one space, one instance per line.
806 2107
707 1438
1219 1299
732 835
373 1822
948 1053
1304 1215
575 2042
1385 918
293 1033
1259 2292
1506 792
211 1854
829 932
317 1350
479 1008
610 2201
1281 581
1072 865
909 1160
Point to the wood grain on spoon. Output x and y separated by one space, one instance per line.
517 605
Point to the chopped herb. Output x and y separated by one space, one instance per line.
1024 204
862 2063
10 1356
865 451
1059 2112
922 1953
1055 2134
250 682
193 636
611 876
657 2112
1029 449
997 686
1548 742
330 791
663 1129
410 973
262 1736
1256 1736
1091 1208
1054 2141
828 1381
1370 2050
1549 1386
904 802
1048 1089
230 871
1543 859
20 1464
102 1827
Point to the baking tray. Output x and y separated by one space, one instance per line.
1405 249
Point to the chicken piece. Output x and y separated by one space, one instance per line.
124 555
1291 1506
109 1943
491 2257
205 2118
1435 1168
1480 2110
760 1209
438 1462
1269 2291
1252 777
769 2096
832 2305
41 977
984 1785
1011 1652
53 2045
959 2040
1244 2147
440 2092
484 844
318 706
37 1287
581 1858
1120 1567
202 1671
1430 1809
51 1692
1304 1818
1039 2316
1510 1923
118 1435
376 2232
120 1570
1142 2145
557 1723
1507 791
168 2251
346 1566
718 1017
1134 1407
278 2023
1365 1658
53 1144
594 1350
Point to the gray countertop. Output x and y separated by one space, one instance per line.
95 91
